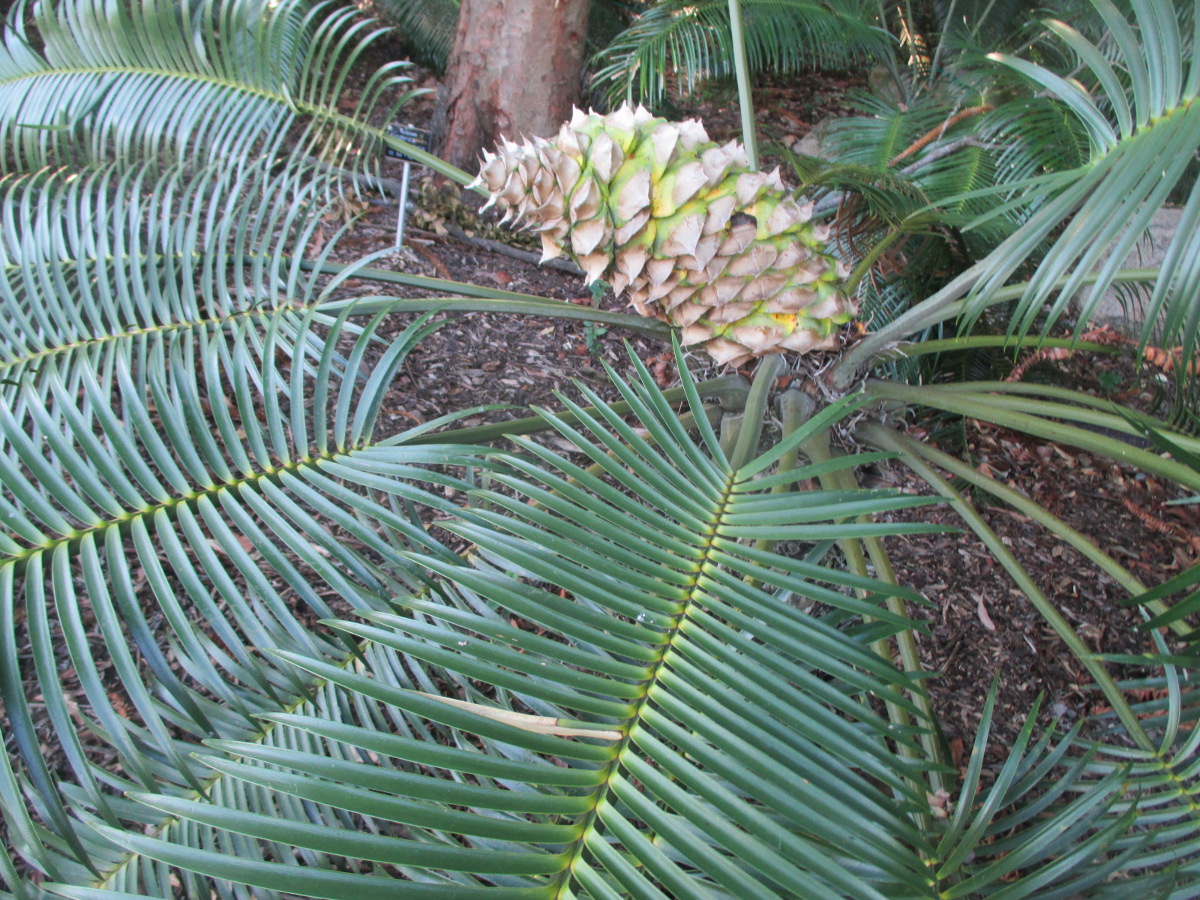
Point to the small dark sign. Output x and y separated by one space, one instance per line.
418 137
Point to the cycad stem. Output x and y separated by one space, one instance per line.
748 435
818 451
795 408
727 390
742 69
998 341
1050 421
469 297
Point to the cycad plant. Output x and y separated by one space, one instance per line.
933 172
689 43
249 646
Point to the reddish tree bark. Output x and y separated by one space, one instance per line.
515 69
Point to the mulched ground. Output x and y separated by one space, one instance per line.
983 627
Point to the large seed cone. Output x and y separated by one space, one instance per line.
656 208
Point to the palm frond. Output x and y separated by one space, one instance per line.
591 704
102 263
882 133
1133 99
1032 136
954 157
1177 614
983 21
157 80
692 40
180 450
1143 828
927 158
1018 839
1142 125
1121 809
428 27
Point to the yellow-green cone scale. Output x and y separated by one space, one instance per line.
656 209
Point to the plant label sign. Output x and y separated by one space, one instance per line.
418 137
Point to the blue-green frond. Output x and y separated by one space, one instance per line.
180 82
692 40
613 694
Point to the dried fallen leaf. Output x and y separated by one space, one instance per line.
957 752
983 613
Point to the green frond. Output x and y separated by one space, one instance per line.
882 133
428 27
262 672
969 168
993 148
1141 833
194 451
882 301
692 39
1143 137
159 80
590 705
116 263
1020 839
1182 608
1132 95
986 21
927 165
1032 136
1119 818
149 500
1119 809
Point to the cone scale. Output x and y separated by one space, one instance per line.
680 225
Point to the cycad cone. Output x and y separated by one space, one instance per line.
723 253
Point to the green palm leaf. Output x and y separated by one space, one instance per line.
616 617
1021 839
101 261
1143 129
427 26
259 667
186 470
882 133
156 79
192 472
1121 808
1123 818
693 39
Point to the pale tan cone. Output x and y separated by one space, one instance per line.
656 209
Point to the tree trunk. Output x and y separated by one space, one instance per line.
515 69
